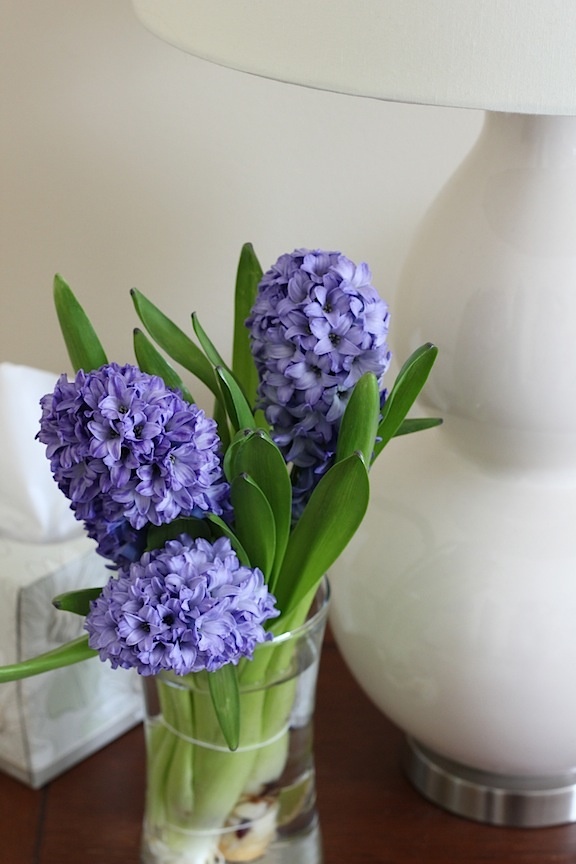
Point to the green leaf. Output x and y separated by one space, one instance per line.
206 343
330 520
229 463
256 454
417 424
238 409
408 384
77 601
225 531
65 655
359 423
224 407
221 419
151 361
174 341
248 276
254 523
158 535
83 346
225 694
235 402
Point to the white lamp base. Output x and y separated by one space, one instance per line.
455 604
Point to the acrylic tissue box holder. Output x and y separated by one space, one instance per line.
51 721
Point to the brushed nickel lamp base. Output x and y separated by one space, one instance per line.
494 799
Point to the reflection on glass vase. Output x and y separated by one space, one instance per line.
206 804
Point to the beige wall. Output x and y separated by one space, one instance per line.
125 162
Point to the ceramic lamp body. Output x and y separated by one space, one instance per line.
459 620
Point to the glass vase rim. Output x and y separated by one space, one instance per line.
322 596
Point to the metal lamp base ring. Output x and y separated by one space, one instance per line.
495 799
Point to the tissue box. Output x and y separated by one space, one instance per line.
51 721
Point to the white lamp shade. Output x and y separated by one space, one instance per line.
500 55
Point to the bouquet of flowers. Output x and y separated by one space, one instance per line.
219 530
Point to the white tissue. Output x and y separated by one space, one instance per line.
32 508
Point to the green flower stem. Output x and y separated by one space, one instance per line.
160 748
194 787
177 710
270 761
169 800
275 663
220 774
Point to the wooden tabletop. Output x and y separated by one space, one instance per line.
369 812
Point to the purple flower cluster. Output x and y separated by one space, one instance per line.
129 452
184 608
316 327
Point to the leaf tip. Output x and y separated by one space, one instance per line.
60 283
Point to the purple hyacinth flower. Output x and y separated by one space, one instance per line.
129 452
188 607
316 326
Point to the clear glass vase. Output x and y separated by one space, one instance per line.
206 804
